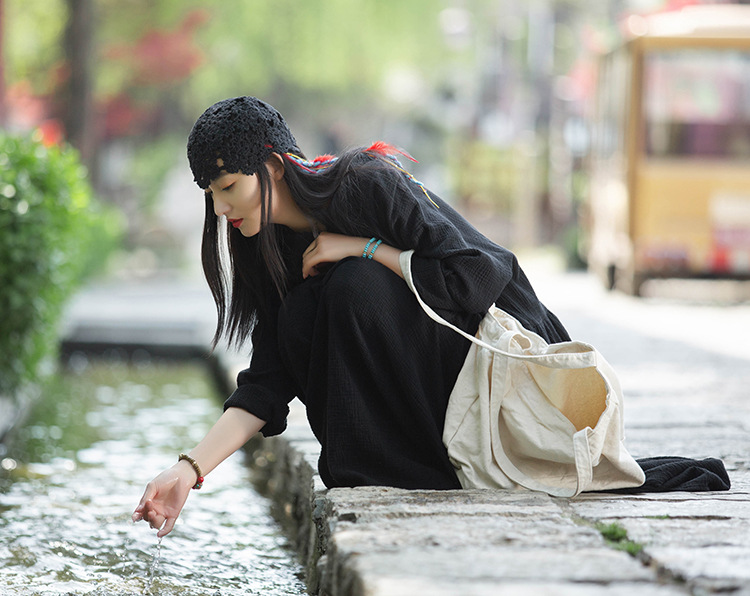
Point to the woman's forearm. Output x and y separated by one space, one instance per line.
388 256
231 431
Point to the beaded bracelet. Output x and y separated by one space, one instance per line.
196 467
374 248
367 246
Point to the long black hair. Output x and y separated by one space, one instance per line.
248 276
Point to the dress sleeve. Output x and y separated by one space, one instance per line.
264 389
455 267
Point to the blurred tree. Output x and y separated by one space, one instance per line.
2 64
76 93
332 46
185 55
33 35
479 70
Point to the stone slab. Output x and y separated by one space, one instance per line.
688 531
461 531
687 441
151 314
387 586
728 564
368 503
697 506
501 564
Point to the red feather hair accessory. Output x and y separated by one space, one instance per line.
386 149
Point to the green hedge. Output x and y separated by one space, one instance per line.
52 234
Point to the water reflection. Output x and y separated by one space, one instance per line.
78 468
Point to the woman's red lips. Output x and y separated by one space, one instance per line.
235 222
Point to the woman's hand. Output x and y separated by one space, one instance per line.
331 248
165 496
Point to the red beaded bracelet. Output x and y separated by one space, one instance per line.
196 467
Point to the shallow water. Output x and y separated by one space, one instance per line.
77 470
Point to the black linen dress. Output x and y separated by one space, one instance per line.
353 344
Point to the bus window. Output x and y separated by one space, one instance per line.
697 103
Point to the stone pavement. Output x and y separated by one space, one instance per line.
681 399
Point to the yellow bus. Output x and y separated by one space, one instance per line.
669 185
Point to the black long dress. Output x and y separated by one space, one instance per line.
373 370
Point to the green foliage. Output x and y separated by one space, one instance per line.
32 46
52 234
617 537
152 163
337 51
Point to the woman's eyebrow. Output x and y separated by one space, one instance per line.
218 178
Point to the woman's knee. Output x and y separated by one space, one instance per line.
362 285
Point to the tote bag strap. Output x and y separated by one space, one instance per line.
552 360
584 469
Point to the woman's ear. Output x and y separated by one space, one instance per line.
275 166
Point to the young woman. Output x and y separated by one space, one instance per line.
313 279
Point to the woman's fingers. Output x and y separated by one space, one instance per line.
147 511
167 527
330 248
313 245
146 498
156 520
160 522
308 267
310 258
164 498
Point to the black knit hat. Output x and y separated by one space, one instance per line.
243 132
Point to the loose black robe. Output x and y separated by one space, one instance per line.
352 343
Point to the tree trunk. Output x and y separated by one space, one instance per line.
77 97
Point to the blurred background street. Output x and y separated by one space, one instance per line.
606 142
507 106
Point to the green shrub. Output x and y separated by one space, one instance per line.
52 234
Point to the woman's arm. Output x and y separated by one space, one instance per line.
331 248
166 494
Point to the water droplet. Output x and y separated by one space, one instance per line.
154 565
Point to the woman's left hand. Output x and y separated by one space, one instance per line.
165 497
330 248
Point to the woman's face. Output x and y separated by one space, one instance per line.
238 197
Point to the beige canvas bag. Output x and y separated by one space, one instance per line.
525 413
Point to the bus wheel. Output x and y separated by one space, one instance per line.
630 282
610 280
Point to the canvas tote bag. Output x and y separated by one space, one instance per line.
525 413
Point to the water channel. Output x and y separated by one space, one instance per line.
75 471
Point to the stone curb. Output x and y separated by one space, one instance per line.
377 541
